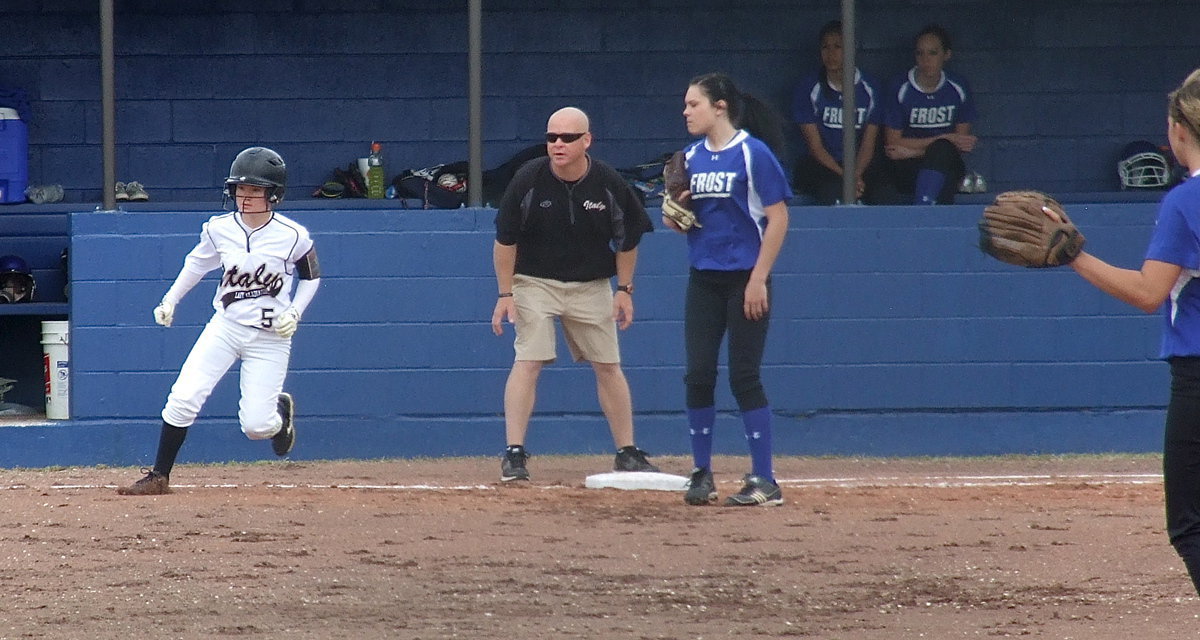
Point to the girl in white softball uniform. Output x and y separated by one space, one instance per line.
260 253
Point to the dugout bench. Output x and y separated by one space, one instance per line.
37 233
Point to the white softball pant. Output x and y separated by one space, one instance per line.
264 357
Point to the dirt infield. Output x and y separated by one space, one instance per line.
863 548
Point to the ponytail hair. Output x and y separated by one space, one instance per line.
1183 104
745 111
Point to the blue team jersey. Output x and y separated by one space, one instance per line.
730 188
818 103
1176 240
925 115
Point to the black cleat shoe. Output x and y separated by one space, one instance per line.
154 484
512 467
757 491
283 441
632 459
701 487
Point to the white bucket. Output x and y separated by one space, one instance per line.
56 365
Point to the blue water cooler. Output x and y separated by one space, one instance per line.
14 156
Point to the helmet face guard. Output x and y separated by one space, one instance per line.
16 280
1143 166
258 166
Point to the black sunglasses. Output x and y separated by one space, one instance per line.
566 137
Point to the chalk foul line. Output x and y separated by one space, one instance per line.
912 481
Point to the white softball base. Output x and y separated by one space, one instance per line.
636 480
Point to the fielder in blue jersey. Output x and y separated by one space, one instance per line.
817 108
927 124
1169 280
739 193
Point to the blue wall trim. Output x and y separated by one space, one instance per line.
121 442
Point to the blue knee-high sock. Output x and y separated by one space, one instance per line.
929 185
700 426
758 436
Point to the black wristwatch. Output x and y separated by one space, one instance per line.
627 288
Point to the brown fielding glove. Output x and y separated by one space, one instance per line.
675 182
1016 229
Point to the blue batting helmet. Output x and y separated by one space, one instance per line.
16 280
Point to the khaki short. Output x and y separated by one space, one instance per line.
583 308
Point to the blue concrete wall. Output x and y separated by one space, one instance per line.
891 335
1062 84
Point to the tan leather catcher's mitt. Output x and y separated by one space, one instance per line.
1029 229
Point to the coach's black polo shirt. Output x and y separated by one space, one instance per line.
568 231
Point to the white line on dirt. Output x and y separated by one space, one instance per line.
915 481
381 487
976 480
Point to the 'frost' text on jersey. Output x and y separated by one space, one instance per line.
712 184
931 117
832 117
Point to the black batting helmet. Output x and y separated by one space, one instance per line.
261 167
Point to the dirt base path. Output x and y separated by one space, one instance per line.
863 548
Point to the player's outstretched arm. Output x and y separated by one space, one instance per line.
1146 289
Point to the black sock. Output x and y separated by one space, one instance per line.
629 449
515 448
169 442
